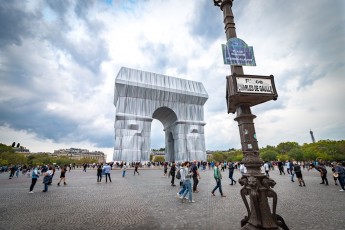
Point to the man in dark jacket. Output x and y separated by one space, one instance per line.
341 175
196 176
281 167
231 172
323 171
172 173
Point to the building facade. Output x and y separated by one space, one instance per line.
78 154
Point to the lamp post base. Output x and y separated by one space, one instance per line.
259 188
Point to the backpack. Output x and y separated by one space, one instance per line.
178 175
47 179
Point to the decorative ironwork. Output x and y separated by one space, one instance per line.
220 2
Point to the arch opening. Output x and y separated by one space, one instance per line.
167 117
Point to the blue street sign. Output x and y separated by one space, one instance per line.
237 52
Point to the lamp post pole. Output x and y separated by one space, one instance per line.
256 185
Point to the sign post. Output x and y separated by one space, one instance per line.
243 92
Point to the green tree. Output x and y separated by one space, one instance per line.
218 157
285 147
268 154
63 160
5 149
309 152
235 155
210 159
238 158
296 154
282 157
3 162
325 150
323 156
159 159
12 158
86 160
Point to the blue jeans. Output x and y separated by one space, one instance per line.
106 177
45 187
219 185
342 181
231 174
182 189
292 175
188 189
123 173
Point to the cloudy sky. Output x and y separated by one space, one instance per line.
59 60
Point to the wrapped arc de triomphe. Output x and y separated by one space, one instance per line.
141 97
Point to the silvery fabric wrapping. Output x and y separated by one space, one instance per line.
141 97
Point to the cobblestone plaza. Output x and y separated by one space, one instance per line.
148 201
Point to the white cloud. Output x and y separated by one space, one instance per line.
62 73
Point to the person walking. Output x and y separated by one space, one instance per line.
218 177
187 175
124 167
196 177
231 173
291 165
281 167
173 172
106 169
222 166
335 178
17 171
34 176
323 172
46 178
298 172
287 166
136 169
99 173
12 171
63 175
267 168
243 168
165 169
182 178
53 173
340 170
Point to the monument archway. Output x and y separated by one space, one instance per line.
178 104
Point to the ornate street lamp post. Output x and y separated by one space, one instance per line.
256 185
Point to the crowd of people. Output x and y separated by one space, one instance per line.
187 173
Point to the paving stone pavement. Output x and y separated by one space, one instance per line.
148 201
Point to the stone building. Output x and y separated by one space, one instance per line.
77 154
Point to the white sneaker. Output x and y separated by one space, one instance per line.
341 190
178 195
31 192
192 201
